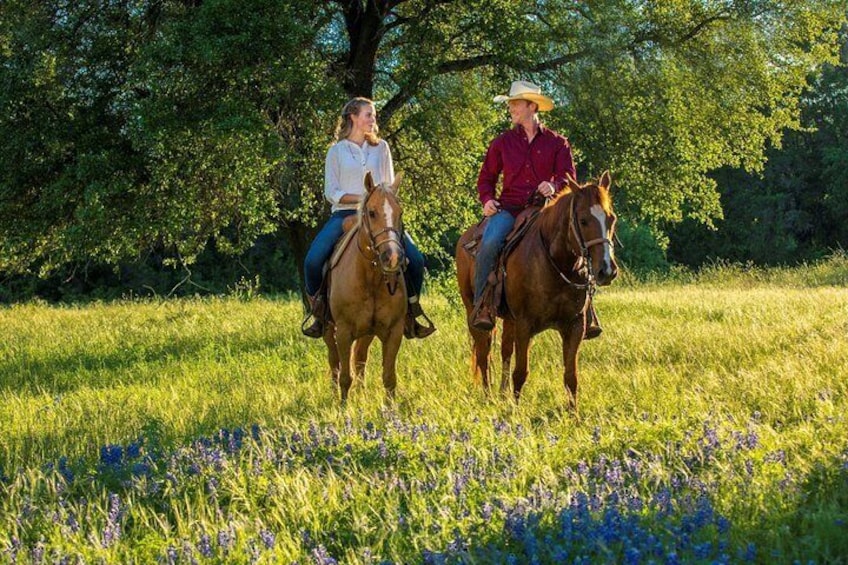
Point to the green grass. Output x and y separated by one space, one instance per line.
679 363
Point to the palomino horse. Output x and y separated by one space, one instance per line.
367 292
551 275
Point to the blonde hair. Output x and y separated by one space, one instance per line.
345 125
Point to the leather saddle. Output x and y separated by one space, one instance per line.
494 293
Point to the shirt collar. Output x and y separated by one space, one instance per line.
519 130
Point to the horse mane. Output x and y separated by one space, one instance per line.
360 210
592 189
383 186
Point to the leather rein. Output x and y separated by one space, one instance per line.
590 283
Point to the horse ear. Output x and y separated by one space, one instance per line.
396 184
605 181
369 182
572 184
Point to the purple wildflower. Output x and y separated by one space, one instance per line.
268 538
204 546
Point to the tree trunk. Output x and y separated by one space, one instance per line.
299 237
365 29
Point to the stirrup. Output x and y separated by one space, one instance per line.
413 329
315 330
592 332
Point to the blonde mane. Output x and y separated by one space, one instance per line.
603 196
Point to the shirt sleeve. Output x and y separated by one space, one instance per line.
332 177
487 181
564 165
387 167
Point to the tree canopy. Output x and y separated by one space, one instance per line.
131 125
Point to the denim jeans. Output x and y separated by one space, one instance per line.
497 228
323 244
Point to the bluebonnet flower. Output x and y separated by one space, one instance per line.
500 425
268 538
433 558
204 546
111 455
171 555
778 456
320 556
63 469
225 539
112 530
37 553
133 450
487 511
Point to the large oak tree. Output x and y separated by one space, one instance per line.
129 125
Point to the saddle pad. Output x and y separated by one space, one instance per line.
342 244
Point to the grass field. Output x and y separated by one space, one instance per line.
713 428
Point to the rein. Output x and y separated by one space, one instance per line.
391 278
590 284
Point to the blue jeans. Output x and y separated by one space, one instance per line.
323 244
497 228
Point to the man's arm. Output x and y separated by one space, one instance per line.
492 166
563 166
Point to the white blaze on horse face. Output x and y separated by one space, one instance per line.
598 211
387 213
392 234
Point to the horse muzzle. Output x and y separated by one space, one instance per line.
392 259
606 274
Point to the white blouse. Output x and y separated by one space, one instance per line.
345 168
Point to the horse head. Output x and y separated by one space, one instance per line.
593 227
380 215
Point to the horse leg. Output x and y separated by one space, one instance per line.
332 352
344 343
507 349
480 355
522 359
391 346
571 339
522 350
360 357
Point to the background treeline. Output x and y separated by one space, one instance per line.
153 144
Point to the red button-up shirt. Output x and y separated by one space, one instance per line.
524 165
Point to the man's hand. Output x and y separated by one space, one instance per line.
546 189
491 207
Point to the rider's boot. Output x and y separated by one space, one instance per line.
318 307
483 315
412 328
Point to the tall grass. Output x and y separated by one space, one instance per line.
712 427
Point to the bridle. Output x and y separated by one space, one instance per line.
584 245
374 248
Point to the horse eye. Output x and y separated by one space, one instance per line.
584 223
372 214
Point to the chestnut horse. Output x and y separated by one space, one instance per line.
367 292
551 275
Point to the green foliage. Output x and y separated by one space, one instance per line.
795 210
641 251
144 125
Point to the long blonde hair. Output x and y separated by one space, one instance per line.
345 125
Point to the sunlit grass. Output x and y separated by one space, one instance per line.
735 392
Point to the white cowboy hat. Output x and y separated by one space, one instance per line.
523 90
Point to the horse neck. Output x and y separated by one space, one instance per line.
555 229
